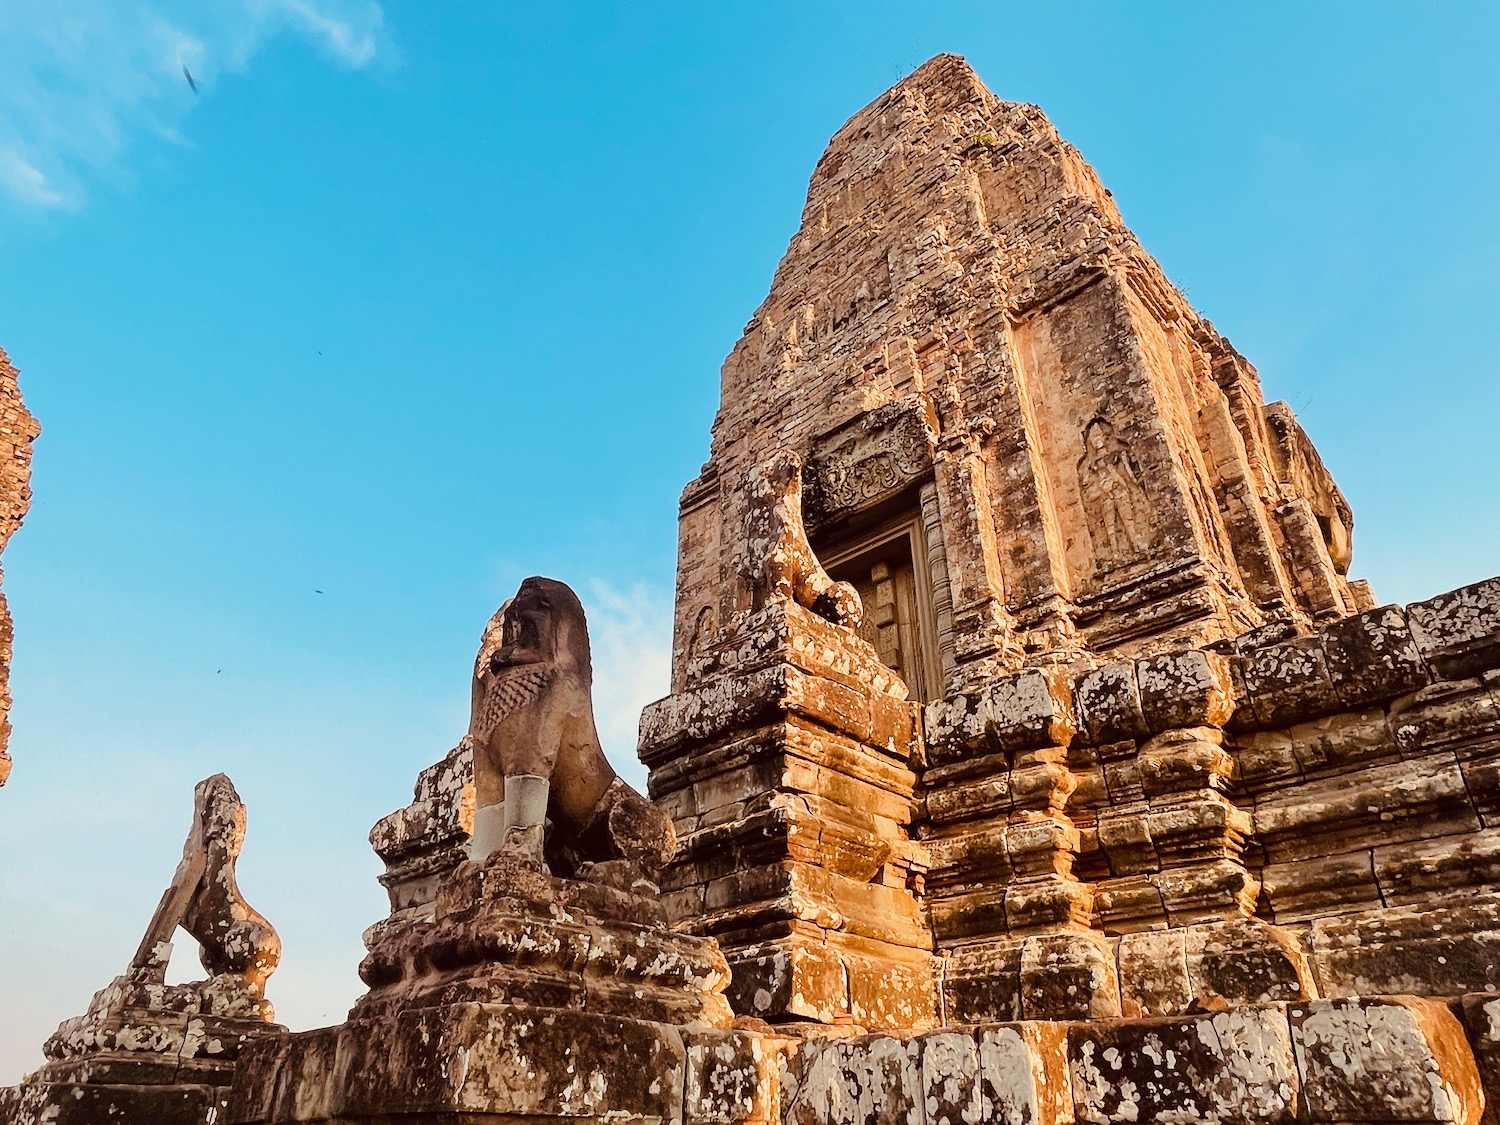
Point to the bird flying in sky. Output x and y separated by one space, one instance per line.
186 73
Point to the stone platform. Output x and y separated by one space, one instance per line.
144 1052
525 995
1344 1062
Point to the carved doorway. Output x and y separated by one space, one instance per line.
888 566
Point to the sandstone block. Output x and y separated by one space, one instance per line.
1215 889
1433 870
492 1059
1048 902
1025 711
1454 712
91 1104
1228 1068
1351 738
1129 903
1153 973
1012 1074
1288 682
1245 961
1448 950
1372 657
1023 1072
982 982
1184 760
732 1077
1068 976
1400 1059
1125 838
870 1080
1184 689
1265 760
1109 704
831 978
1458 633
1401 801
1480 1013
1312 886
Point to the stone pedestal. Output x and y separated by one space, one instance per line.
786 767
524 995
145 1053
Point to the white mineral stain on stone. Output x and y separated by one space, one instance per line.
1492 1016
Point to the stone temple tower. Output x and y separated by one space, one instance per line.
965 341
1025 450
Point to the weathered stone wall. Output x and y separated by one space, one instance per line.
18 429
1312 817
1344 1062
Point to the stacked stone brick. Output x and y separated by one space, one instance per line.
787 771
18 429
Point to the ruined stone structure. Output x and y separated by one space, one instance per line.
18 429
1030 756
151 1053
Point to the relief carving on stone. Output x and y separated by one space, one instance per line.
1114 500
537 756
874 458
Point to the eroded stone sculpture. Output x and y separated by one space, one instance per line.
151 1053
521 990
204 899
779 563
536 750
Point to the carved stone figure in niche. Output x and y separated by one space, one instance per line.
536 750
1114 501
704 627
778 561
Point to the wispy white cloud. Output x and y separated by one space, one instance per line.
352 41
630 634
26 182
82 81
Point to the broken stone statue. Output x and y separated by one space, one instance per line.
151 1052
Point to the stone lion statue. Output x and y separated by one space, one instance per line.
778 562
537 756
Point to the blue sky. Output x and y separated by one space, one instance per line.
409 301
